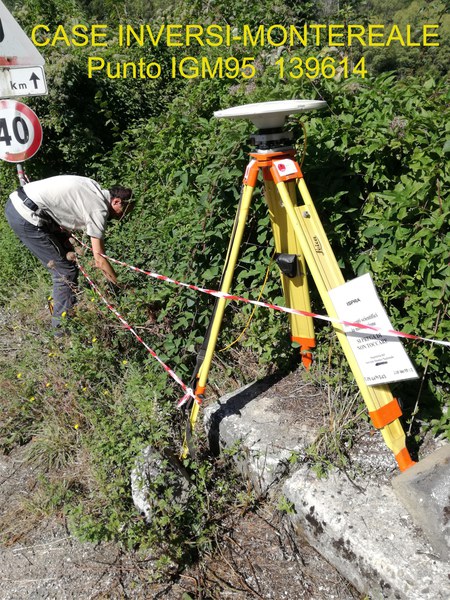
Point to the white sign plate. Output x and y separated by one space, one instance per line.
16 49
20 131
22 81
381 358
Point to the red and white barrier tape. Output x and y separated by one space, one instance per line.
188 392
294 311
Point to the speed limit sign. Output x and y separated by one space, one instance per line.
20 132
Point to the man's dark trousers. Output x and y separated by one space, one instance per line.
45 247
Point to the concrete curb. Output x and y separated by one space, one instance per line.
358 525
368 536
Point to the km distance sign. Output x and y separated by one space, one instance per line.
20 132
22 81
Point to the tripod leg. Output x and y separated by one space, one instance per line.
214 329
383 408
292 266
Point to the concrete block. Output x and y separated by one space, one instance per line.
362 530
424 490
264 430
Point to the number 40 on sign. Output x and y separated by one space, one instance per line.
20 132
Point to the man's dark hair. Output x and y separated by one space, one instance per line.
118 191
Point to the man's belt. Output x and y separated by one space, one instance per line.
39 212
27 201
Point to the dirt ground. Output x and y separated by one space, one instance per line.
258 558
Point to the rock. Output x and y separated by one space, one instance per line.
149 465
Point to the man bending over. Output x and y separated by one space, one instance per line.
43 213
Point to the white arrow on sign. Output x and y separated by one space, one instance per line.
20 131
27 81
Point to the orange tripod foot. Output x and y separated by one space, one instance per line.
307 356
306 345
404 460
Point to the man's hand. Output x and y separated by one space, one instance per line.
101 262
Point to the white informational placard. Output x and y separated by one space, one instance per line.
381 358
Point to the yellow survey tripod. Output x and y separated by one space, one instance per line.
300 240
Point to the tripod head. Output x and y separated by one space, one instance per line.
269 119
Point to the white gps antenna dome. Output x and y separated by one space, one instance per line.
269 115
